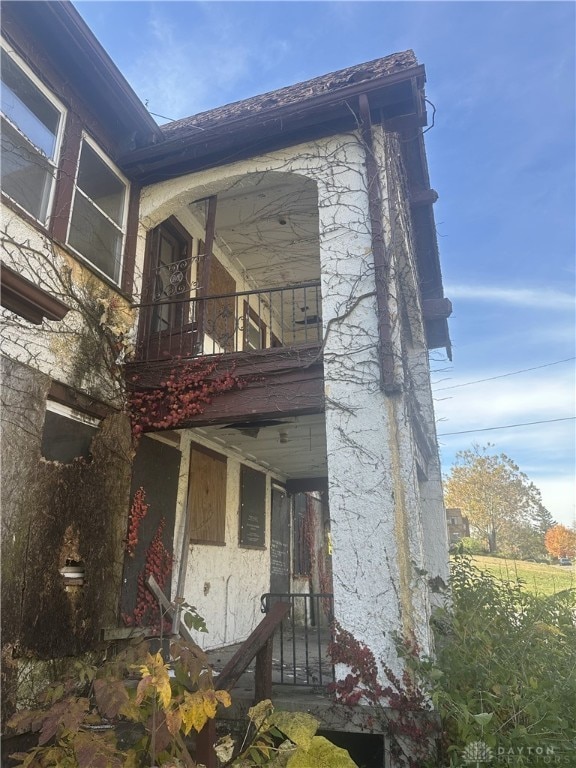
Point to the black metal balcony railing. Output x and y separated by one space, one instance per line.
238 322
301 642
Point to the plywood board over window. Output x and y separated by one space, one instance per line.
252 508
207 496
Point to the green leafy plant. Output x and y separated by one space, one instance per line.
505 667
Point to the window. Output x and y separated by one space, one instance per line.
67 433
98 220
32 125
207 496
254 330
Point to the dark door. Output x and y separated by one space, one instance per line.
169 318
280 543
156 470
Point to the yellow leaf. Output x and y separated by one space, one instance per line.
224 698
165 692
259 712
210 703
193 713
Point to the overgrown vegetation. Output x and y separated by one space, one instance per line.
79 720
505 671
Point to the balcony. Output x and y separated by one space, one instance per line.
174 328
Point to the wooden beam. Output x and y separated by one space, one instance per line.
24 298
423 197
250 647
388 380
436 309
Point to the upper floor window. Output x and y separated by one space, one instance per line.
98 221
32 122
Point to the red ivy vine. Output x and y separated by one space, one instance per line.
158 563
184 393
410 720
137 513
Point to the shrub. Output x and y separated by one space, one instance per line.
504 675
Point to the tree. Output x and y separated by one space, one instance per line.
499 499
561 541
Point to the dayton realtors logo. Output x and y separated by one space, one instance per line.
479 755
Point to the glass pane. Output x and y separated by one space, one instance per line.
96 238
100 184
26 174
66 439
27 107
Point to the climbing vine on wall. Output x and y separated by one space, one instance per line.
137 513
184 393
158 563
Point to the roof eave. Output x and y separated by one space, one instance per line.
275 117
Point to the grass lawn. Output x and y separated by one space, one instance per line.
537 577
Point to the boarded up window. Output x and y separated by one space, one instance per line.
207 496
252 508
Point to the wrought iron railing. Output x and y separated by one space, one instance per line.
247 321
301 643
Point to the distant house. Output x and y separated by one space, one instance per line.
457 524
279 251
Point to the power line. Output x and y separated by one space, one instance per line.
504 375
506 426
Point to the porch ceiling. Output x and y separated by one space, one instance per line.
268 223
295 447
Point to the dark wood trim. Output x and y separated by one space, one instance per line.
66 177
24 298
436 309
204 287
306 484
251 314
423 197
131 240
78 401
388 380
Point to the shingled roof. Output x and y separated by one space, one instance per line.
292 94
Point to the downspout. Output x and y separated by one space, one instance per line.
389 382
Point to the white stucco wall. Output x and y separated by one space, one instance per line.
224 583
380 541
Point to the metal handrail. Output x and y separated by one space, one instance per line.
245 321
303 638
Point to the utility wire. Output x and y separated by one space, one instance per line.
504 375
506 426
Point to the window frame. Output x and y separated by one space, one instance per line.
123 229
59 135
71 414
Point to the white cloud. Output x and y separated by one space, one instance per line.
182 71
543 298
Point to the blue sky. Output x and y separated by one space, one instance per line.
501 76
